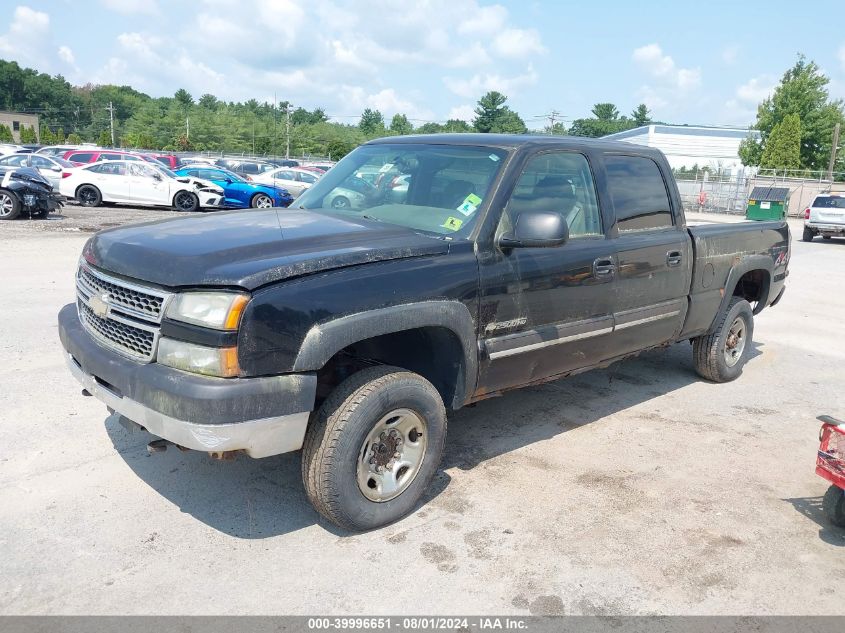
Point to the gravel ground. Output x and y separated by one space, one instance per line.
638 489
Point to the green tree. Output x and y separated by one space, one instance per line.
750 150
104 140
28 135
492 115
60 136
558 129
209 102
803 91
372 122
605 112
641 116
74 139
6 134
400 124
783 147
338 148
184 98
47 136
456 125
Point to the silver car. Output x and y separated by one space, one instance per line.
50 167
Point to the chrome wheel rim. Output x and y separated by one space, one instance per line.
340 203
6 205
263 202
735 342
184 202
392 454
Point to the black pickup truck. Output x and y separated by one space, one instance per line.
420 274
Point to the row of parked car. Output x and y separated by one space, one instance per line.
94 176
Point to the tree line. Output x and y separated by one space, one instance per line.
76 114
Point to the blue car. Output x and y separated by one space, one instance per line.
238 192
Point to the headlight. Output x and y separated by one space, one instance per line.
218 310
199 359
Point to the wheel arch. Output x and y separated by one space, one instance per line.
390 333
750 279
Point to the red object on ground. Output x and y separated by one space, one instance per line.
830 462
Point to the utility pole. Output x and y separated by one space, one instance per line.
553 116
273 149
111 121
833 152
287 130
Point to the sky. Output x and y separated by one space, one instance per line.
696 63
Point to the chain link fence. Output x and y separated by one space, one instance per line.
720 193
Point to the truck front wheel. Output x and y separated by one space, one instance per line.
721 355
373 447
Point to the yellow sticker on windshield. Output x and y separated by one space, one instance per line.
453 224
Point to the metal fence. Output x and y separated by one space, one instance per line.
729 194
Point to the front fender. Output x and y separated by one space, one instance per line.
324 340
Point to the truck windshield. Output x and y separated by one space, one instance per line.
429 187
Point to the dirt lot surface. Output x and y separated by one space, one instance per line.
634 490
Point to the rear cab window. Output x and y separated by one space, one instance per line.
829 202
639 193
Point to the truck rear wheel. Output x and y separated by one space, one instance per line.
833 504
808 235
373 447
721 355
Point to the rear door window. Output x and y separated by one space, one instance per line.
81 157
639 193
829 202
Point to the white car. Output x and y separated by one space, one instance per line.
137 183
9 148
825 217
50 167
294 180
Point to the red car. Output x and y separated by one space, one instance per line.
171 161
85 156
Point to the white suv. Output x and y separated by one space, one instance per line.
825 217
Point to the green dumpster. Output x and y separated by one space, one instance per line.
767 203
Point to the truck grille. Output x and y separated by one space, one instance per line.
128 316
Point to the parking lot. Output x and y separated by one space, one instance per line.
638 489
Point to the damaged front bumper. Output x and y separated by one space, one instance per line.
261 416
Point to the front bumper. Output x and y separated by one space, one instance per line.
261 416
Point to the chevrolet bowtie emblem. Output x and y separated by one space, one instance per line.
99 304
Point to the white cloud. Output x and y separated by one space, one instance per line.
756 89
841 56
518 43
465 112
481 83
131 7
24 40
484 21
655 62
66 55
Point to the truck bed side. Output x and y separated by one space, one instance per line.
746 259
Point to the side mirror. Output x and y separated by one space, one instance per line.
157 176
536 229
229 181
56 168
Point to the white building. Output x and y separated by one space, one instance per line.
688 145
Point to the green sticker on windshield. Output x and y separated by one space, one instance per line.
453 224
470 204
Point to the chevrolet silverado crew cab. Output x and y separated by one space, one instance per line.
501 261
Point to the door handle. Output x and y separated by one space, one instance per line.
674 258
604 268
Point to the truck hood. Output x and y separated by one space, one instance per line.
250 248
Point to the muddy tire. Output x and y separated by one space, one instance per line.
808 235
371 450
833 504
721 355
